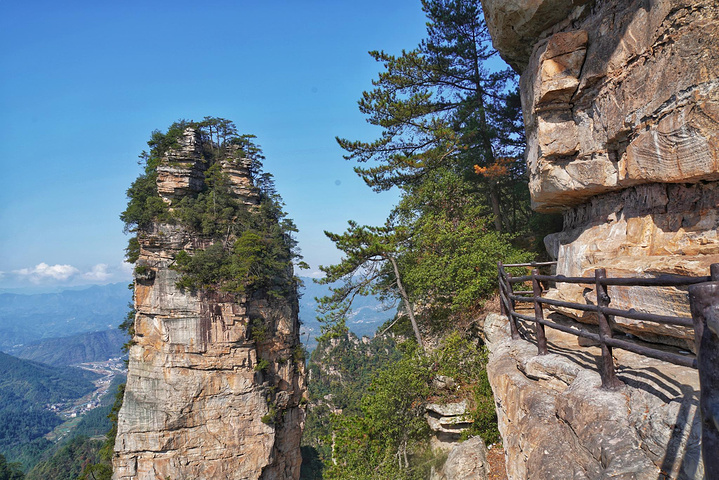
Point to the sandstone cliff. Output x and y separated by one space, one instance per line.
621 109
215 379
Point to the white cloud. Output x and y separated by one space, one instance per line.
43 271
316 274
98 273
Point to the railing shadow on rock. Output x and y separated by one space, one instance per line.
704 304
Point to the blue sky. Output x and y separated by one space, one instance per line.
83 84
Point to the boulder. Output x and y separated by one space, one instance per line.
465 461
448 420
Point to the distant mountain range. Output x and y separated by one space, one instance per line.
81 348
26 319
53 327
368 313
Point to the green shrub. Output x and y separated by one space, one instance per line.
262 366
259 330
484 414
299 354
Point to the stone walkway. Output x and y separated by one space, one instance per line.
662 379
557 423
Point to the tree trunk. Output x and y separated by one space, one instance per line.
407 303
494 197
486 141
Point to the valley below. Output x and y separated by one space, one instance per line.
111 372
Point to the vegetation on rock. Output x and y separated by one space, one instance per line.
452 142
238 240
250 248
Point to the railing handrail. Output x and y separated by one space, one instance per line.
660 281
615 312
704 302
531 264
508 298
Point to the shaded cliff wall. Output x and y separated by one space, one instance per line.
621 108
214 382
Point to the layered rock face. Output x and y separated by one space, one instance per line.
215 381
621 108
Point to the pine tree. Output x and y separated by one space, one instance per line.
370 266
440 105
452 142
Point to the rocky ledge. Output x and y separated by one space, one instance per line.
556 422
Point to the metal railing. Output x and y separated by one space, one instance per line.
704 305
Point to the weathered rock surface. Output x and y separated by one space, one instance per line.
557 423
515 25
643 231
621 109
205 397
456 409
183 169
448 420
238 171
626 93
465 461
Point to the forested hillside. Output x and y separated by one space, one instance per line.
67 459
367 403
28 390
451 141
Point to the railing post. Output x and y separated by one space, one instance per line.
502 307
609 378
505 293
704 302
512 305
538 314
